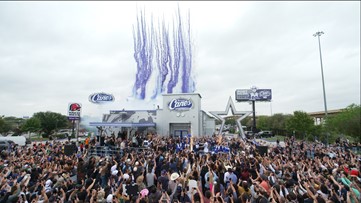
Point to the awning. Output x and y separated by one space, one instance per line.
129 125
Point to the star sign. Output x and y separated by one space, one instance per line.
243 115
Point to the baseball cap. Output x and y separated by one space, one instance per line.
110 198
126 176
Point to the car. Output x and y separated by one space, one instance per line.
27 140
83 134
265 134
19 140
65 131
4 144
249 134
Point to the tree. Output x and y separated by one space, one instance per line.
263 123
32 125
51 121
247 121
317 131
278 123
4 126
218 122
347 122
230 121
301 123
10 125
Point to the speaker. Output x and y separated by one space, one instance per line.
102 139
70 149
262 150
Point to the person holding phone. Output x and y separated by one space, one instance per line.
165 197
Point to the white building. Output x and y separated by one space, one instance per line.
181 115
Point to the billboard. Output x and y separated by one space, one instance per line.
253 95
74 110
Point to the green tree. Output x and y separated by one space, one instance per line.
230 121
347 122
301 123
218 122
4 126
247 121
31 125
51 121
10 125
278 123
263 123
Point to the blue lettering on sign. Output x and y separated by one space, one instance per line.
180 104
101 97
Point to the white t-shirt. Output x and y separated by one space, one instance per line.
122 145
150 178
206 147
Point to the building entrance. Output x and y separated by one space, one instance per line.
181 133
179 129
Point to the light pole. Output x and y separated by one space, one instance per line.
318 34
253 99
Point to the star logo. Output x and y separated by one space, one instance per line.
230 105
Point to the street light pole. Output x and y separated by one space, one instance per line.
253 99
318 34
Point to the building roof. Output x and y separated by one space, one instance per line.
208 114
181 94
127 111
129 125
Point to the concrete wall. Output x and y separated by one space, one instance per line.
208 124
190 116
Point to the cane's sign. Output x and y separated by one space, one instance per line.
180 104
102 97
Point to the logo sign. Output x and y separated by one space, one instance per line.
254 94
102 97
74 110
180 104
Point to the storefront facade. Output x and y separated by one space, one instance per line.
181 115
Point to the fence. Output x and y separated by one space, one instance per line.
354 149
113 150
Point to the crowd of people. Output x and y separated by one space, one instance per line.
190 169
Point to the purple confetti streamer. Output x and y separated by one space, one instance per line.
170 58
